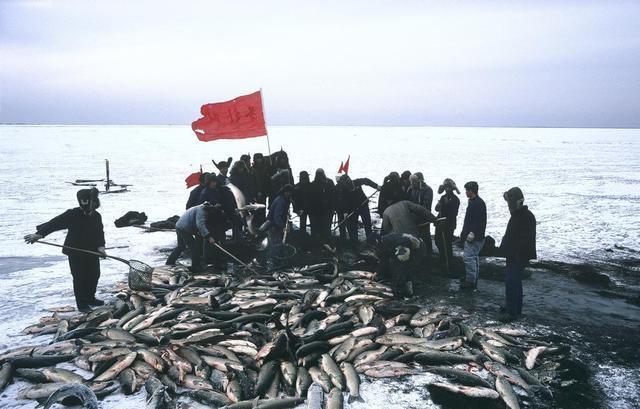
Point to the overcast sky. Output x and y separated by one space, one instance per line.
486 63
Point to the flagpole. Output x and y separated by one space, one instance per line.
265 123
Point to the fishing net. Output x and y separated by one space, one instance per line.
139 275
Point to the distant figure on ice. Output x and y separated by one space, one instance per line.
420 193
85 231
472 235
194 195
402 257
447 207
191 229
518 246
279 215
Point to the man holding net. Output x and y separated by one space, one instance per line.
85 231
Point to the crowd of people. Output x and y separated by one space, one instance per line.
322 206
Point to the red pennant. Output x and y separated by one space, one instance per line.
344 167
193 179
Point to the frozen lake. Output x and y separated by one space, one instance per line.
583 185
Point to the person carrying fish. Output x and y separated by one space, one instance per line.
191 228
518 246
447 207
404 254
84 231
472 235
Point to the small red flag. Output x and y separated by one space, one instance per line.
239 118
344 167
193 179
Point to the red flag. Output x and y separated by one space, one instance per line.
239 118
193 179
345 167
340 168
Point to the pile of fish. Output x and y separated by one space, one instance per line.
274 340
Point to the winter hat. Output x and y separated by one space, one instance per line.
514 197
448 183
402 253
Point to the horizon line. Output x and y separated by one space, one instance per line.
342 125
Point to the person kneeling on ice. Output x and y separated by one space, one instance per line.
85 232
403 255
191 228
279 215
518 246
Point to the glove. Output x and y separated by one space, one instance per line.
415 242
102 250
32 238
471 237
211 241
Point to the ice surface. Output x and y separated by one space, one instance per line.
582 184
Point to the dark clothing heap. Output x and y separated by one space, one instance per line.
475 219
131 218
448 207
194 196
404 217
169 223
321 198
85 231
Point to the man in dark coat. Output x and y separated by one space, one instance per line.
320 207
194 195
472 235
352 203
391 192
301 198
223 169
447 207
518 246
279 215
240 178
85 231
420 193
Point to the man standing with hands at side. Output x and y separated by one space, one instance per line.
518 246
472 235
85 231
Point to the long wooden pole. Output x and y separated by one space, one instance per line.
264 116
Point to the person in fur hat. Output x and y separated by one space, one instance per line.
446 207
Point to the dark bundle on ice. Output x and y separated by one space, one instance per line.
131 218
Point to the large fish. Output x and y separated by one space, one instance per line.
83 394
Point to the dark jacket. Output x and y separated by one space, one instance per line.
519 241
404 217
84 232
321 197
422 195
279 212
475 219
448 207
211 195
391 192
194 196
261 180
301 199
